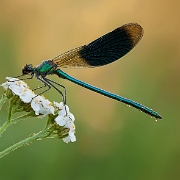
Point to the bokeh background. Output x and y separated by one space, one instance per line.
113 140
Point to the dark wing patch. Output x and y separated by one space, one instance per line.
103 50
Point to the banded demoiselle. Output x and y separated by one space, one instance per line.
104 50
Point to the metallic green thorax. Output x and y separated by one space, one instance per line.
46 68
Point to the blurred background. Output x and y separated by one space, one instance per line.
113 140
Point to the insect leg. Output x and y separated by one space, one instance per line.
31 76
49 82
45 84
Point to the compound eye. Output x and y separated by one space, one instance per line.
27 69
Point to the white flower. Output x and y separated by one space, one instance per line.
59 105
27 95
19 88
12 79
66 119
64 108
16 82
71 137
64 116
42 106
39 104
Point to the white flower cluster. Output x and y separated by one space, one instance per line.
42 106
39 104
66 119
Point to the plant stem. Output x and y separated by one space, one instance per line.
3 100
4 127
15 120
41 134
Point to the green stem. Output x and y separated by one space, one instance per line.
39 135
3 100
10 112
4 127
12 121
15 120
